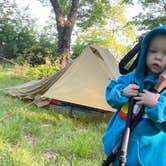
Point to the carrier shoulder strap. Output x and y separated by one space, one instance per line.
128 57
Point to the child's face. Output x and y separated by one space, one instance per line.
156 55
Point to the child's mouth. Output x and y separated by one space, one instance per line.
156 66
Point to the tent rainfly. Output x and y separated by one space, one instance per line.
82 82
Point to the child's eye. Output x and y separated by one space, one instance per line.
152 51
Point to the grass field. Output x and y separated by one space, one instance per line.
31 136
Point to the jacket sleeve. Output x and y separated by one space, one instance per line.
158 112
113 93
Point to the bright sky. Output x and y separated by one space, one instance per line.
37 10
42 13
132 11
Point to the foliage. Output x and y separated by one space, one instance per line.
8 35
41 49
77 49
15 35
24 45
102 23
38 136
88 14
116 33
153 13
42 71
93 13
18 38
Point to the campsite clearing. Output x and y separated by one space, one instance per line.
41 137
80 85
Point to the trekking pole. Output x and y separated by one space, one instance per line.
111 158
161 84
125 139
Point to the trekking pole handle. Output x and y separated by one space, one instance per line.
161 83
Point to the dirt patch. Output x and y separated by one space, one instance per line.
51 155
30 138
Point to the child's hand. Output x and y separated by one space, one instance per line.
147 98
131 90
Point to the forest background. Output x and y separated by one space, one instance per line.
103 23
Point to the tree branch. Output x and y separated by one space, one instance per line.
73 11
56 7
58 12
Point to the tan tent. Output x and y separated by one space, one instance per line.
82 83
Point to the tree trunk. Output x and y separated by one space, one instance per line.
64 29
64 41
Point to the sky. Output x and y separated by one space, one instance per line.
42 13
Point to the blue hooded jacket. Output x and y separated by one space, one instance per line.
147 143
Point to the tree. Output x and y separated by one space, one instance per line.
153 14
89 13
65 27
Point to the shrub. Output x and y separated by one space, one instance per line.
42 71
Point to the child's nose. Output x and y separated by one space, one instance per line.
158 56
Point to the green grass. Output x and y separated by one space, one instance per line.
31 136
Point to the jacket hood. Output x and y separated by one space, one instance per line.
141 66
